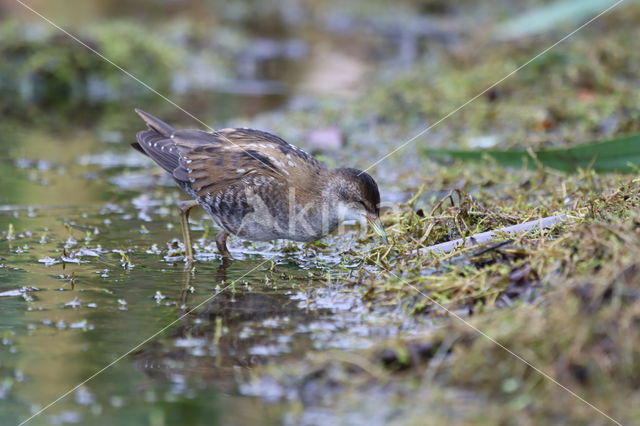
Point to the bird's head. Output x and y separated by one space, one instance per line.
356 197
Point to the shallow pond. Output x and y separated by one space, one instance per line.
101 324
93 286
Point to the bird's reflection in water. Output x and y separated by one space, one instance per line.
237 329
220 278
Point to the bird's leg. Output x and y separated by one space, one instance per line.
221 242
185 209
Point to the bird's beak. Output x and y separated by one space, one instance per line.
377 226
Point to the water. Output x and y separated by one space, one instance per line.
91 270
92 283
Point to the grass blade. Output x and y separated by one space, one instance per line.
617 155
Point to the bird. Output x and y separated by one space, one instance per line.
256 186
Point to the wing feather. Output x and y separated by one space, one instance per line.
161 149
210 163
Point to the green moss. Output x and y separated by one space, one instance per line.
42 67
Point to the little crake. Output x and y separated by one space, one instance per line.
256 186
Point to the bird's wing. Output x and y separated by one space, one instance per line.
210 162
213 161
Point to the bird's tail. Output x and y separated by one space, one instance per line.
156 124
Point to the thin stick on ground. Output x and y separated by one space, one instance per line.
484 237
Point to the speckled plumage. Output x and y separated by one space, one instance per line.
254 184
